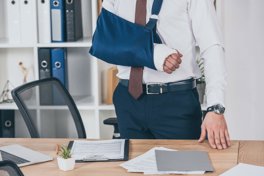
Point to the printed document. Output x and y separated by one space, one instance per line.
98 150
146 163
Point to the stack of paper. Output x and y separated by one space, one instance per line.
146 163
115 149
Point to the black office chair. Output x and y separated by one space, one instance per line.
113 121
9 168
48 110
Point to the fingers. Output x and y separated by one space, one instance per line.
167 69
203 135
172 62
227 138
223 139
217 140
176 57
170 66
211 138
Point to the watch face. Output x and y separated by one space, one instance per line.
219 109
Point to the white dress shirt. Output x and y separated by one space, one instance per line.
182 25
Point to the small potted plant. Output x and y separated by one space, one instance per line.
65 161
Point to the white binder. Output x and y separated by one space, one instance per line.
44 22
13 21
27 20
57 20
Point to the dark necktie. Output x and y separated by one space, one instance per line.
136 74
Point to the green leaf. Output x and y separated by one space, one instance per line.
65 152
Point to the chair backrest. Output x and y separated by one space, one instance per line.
9 168
49 110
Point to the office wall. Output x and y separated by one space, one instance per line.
2 20
243 29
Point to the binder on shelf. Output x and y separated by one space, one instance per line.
57 20
7 123
73 11
44 57
13 21
27 20
44 63
44 23
59 71
58 61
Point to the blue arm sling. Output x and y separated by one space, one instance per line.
121 42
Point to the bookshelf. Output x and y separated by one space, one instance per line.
85 73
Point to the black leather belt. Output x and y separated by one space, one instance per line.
160 88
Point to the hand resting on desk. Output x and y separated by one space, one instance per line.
215 127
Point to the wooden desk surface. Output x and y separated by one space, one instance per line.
246 151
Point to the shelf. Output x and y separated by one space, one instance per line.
85 42
5 44
8 106
84 102
106 107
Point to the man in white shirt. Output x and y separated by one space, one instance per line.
182 24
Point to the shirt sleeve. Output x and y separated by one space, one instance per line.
208 36
109 5
215 75
205 24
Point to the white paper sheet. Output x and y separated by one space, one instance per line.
146 163
245 170
98 150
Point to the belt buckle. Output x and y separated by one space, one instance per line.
160 90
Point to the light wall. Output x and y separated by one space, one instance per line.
244 43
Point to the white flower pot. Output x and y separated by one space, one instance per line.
66 164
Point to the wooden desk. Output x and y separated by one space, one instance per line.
245 151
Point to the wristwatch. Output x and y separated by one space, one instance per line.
218 109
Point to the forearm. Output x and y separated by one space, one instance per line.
215 75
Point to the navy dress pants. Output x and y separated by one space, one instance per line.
172 115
